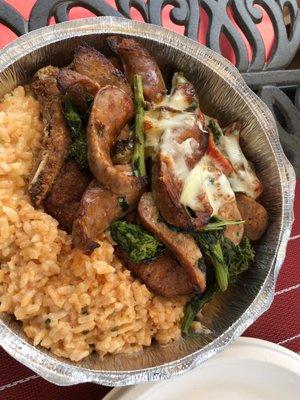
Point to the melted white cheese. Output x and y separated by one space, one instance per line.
170 113
204 187
177 99
178 152
206 184
243 178
157 122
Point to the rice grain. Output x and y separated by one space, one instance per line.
68 302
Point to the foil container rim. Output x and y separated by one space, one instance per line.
67 374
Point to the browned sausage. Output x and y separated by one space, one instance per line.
137 60
116 62
56 140
79 88
111 111
230 212
182 245
181 145
163 276
65 195
255 215
90 62
99 208
166 187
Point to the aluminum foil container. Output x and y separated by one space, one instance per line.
222 93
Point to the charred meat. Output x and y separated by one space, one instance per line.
98 209
112 110
79 88
56 140
122 151
65 195
182 245
90 62
163 275
137 60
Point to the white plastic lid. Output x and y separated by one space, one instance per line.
250 369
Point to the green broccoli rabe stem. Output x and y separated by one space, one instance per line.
191 310
237 259
221 270
194 306
138 244
210 244
219 225
138 159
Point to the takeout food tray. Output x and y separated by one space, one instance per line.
223 94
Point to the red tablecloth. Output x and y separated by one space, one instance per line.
280 324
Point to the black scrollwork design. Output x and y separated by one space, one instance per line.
247 16
43 10
265 75
124 7
286 45
187 13
11 18
288 120
219 22
184 13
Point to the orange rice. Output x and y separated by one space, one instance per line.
68 302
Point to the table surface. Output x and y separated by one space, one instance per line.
280 324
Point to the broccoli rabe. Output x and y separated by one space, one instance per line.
238 258
194 306
211 244
228 259
138 243
217 224
138 159
73 118
78 150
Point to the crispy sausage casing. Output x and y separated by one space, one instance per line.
229 211
98 209
100 206
79 88
112 110
137 60
163 276
182 245
90 62
65 195
56 140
